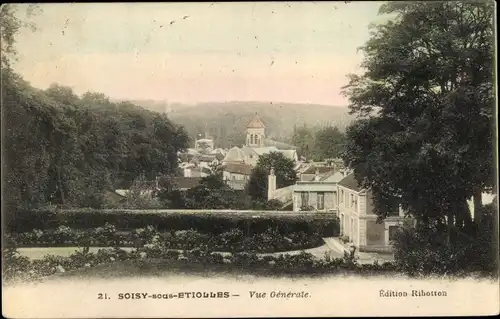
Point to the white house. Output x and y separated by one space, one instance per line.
195 171
319 193
357 218
339 192
236 175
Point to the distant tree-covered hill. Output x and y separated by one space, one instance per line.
226 121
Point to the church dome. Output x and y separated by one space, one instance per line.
235 154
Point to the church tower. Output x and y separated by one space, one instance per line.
256 132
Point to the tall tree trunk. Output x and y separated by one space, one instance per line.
450 222
463 216
478 205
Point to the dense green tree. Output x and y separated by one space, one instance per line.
328 143
64 150
425 105
303 139
14 17
142 194
212 193
256 187
318 142
283 169
28 122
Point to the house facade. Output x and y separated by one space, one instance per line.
317 193
236 175
358 221
340 193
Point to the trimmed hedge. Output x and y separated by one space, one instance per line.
26 220
232 241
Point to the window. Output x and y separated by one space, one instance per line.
392 232
341 196
321 200
304 199
393 210
351 234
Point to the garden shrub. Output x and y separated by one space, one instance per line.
234 240
303 262
231 237
215 258
13 264
424 250
249 262
172 254
245 259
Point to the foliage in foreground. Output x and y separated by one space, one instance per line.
18 268
234 240
425 250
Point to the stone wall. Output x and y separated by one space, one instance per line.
375 233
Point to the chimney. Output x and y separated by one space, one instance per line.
271 184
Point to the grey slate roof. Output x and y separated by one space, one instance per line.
350 182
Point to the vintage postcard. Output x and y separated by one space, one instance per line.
249 159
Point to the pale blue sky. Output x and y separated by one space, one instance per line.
222 51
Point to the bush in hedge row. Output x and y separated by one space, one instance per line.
25 220
233 240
